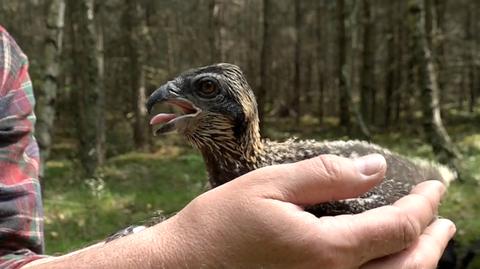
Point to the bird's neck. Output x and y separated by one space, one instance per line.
228 155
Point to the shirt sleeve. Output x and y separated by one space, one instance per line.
21 213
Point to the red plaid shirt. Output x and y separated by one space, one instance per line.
21 215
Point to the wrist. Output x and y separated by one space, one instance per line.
176 245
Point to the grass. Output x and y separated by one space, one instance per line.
130 187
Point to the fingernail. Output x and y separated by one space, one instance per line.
452 229
448 225
370 164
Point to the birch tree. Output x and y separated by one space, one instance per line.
47 93
87 79
422 61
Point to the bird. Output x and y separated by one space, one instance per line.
219 117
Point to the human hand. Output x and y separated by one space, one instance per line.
258 221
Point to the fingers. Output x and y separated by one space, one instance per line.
421 206
319 179
424 253
389 229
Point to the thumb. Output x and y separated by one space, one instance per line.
320 179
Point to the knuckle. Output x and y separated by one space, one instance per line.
328 167
408 228
328 247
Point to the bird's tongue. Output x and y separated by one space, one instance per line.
162 118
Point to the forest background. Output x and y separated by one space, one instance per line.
403 74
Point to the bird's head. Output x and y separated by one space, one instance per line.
216 104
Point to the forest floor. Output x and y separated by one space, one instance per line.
130 187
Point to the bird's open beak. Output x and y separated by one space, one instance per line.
166 122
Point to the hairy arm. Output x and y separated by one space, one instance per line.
139 250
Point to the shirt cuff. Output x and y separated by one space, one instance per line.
19 258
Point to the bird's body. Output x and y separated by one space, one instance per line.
402 173
221 121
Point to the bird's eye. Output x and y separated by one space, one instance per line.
207 88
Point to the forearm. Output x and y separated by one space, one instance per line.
151 248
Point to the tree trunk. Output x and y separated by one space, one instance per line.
354 23
137 35
347 110
428 84
414 57
367 91
308 95
391 67
344 100
264 60
47 93
99 55
403 90
476 64
320 63
296 87
440 7
88 76
470 56
218 31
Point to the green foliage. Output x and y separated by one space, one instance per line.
127 190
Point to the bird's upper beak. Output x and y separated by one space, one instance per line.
162 94
166 122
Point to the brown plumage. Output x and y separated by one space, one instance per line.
221 121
